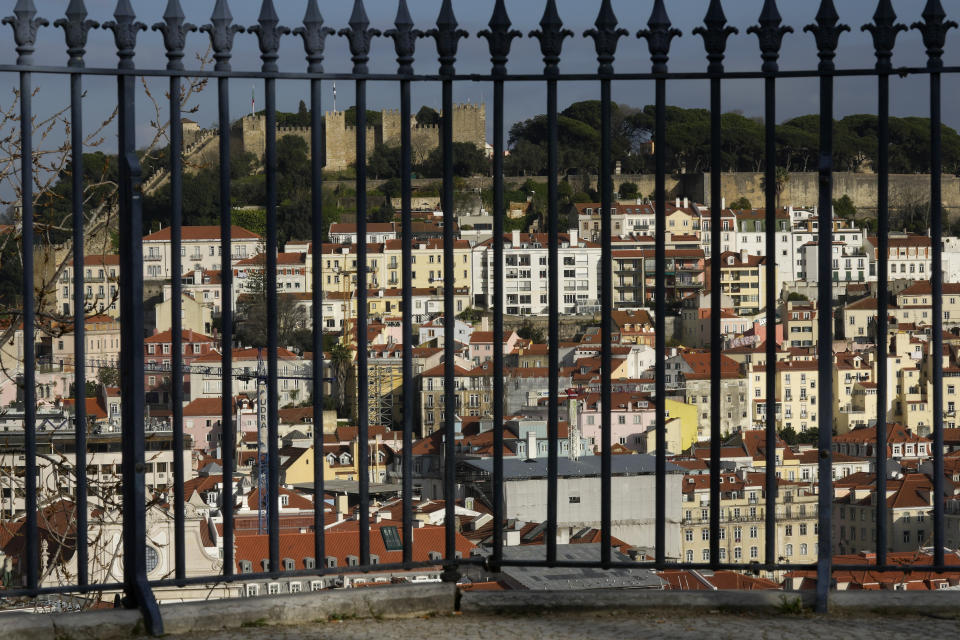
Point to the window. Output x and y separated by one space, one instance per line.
705 534
706 555
273 588
689 555
788 550
574 499
688 535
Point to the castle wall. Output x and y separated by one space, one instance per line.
469 125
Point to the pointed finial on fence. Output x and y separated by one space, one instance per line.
75 28
222 30
404 38
827 32
359 35
174 29
605 36
715 35
770 34
659 34
314 37
25 25
500 36
551 35
934 30
884 30
447 36
125 27
269 32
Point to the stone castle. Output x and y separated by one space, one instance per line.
469 125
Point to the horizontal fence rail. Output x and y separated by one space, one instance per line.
659 36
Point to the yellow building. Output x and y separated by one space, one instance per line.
742 519
743 278
427 263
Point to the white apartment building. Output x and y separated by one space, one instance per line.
377 232
909 256
100 286
294 383
526 274
849 264
200 250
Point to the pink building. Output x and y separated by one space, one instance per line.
481 345
632 414
202 421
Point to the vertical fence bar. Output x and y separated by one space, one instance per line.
658 37
314 42
770 34
25 33
551 35
76 27
174 29
605 35
884 32
447 36
827 33
138 593
360 35
222 32
715 39
269 33
499 37
934 29
404 36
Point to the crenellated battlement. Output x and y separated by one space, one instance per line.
469 125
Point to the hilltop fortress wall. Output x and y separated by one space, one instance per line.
469 125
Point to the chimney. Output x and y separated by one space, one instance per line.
678 202
515 238
723 203
743 255
574 238
513 538
531 445
341 505
573 428
686 203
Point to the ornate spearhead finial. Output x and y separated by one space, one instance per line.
715 35
827 32
770 34
25 26
447 36
500 36
269 32
934 30
174 28
75 28
659 34
884 30
404 38
314 37
359 35
125 28
222 31
605 36
551 35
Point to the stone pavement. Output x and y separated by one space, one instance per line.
614 625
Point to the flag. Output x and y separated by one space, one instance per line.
253 100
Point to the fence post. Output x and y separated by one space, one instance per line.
136 588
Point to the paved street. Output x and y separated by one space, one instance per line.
617 626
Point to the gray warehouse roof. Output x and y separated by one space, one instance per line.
517 469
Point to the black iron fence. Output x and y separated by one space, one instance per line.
826 30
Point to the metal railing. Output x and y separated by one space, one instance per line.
659 33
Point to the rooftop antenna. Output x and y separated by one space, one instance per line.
253 100
334 96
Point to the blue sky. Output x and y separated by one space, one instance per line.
795 97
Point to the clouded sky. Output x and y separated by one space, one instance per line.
795 97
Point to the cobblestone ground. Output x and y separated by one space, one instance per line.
617 626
